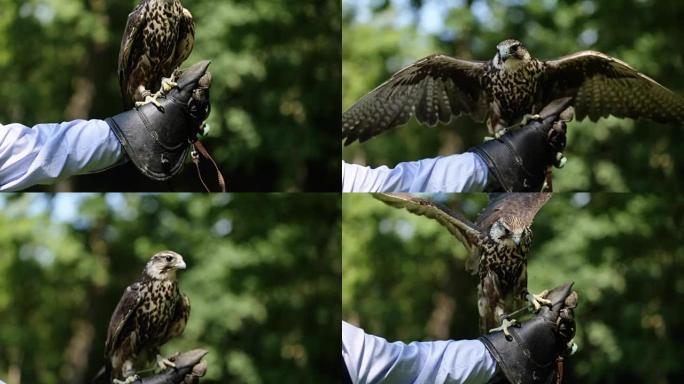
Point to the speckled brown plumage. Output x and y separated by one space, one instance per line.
503 90
498 243
151 311
159 36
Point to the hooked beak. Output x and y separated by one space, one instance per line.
180 265
516 240
503 54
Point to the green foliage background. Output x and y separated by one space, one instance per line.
276 82
262 270
381 36
404 278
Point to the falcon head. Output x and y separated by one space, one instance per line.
511 232
510 54
163 265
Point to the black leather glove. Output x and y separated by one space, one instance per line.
157 139
518 160
530 354
189 368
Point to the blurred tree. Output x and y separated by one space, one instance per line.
263 276
380 37
273 64
404 278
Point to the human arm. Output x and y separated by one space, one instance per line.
48 153
456 173
370 359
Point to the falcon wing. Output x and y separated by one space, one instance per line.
460 227
603 85
180 318
433 89
130 50
186 38
127 305
523 205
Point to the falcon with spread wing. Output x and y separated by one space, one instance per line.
498 243
511 86
151 312
159 36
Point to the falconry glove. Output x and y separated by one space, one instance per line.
189 368
534 351
157 139
518 160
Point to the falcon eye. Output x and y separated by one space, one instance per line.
169 258
515 47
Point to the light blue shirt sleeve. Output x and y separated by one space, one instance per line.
48 153
466 172
371 359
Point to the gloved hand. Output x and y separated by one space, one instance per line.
519 159
529 356
157 139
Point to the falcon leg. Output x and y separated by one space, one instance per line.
151 98
164 363
537 300
529 117
505 324
129 380
168 83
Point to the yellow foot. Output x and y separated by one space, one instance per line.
538 300
505 324
129 380
501 131
153 99
164 363
167 84
528 118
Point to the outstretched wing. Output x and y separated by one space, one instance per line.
603 85
460 227
433 89
522 205
127 305
130 50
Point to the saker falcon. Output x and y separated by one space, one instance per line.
151 312
159 36
504 90
498 242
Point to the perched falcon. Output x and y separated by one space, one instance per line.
159 36
508 88
151 312
498 243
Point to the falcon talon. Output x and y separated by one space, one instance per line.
538 300
168 84
129 380
529 118
164 363
505 324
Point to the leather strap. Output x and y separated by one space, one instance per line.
199 147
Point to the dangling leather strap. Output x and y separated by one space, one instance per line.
559 370
199 147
